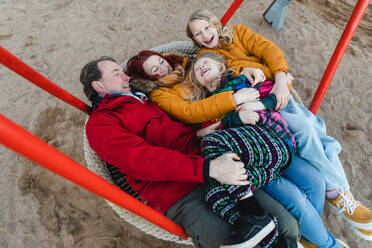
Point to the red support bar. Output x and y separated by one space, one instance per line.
18 66
339 52
230 12
28 145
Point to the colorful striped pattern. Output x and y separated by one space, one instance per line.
263 153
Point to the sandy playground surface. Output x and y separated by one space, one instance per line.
40 209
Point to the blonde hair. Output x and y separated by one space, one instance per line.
195 91
225 34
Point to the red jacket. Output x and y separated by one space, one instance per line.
158 155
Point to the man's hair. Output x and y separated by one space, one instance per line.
90 73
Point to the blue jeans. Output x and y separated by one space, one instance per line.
314 145
301 190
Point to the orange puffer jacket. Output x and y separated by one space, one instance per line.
250 49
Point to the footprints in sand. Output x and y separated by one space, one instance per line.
338 13
5 36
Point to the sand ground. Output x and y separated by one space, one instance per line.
40 209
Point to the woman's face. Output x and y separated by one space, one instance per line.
204 33
156 66
206 71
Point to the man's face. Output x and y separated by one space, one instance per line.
113 78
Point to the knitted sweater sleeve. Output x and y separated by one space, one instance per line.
173 102
260 47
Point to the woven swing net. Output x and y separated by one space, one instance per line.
113 175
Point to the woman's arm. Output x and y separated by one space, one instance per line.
173 102
262 48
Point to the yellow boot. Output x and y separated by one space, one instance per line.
355 213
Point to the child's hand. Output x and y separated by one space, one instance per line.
251 106
245 95
249 117
254 75
207 130
280 89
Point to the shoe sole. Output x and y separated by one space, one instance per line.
342 243
360 234
254 240
299 245
366 226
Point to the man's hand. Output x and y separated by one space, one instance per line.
254 75
249 117
227 169
245 94
207 130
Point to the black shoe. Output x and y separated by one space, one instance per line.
249 231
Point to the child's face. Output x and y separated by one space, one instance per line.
156 66
206 71
204 33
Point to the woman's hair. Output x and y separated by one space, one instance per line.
90 73
225 34
135 64
196 91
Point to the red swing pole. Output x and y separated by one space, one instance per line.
230 12
339 52
18 66
28 145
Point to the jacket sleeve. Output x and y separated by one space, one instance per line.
262 48
204 110
240 65
136 158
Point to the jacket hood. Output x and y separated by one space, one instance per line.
143 85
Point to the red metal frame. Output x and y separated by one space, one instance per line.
28 145
339 52
230 12
25 71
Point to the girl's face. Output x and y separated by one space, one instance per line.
206 71
156 66
204 33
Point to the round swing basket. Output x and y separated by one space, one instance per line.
112 174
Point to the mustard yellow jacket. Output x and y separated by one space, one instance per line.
248 50
171 99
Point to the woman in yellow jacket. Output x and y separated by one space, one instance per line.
243 48
162 77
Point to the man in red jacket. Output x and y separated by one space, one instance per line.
160 156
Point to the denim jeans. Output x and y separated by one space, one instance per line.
314 145
301 190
